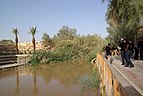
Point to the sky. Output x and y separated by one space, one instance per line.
87 16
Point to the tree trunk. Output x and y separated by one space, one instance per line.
16 41
33 41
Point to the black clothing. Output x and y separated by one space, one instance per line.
108 50
136 57
136 53
140 45
141 54
131 47
128 55
126 45
122 46
123 57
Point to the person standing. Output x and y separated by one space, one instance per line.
136 48
122 46
108 52
132 48
141 48
128 54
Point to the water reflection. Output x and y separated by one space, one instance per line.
44 80
17 83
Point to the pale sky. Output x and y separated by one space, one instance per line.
87 16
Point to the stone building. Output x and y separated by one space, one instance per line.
27 47
24 47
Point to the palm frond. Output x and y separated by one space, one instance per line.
33 30
15 31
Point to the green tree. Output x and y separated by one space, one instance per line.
66 33
33 31
124 18
15 32
46 39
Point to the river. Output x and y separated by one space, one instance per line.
61 79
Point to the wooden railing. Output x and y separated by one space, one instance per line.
111 80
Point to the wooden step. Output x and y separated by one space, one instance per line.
6 56
6 59
8 62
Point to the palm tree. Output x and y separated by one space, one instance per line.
33 31
15 32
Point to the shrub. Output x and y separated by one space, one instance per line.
92 55
65 50
35 59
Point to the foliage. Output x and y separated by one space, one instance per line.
70 49
35 59
7 47
124 18
66 33
66 48
33 31
91 56
46 39
90 82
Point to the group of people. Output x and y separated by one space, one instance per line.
128 51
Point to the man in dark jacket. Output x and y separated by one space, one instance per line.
108 49
122 45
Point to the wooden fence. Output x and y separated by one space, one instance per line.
111 81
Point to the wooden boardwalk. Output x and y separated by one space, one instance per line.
133 75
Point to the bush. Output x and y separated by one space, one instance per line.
65 50
91 55
35 59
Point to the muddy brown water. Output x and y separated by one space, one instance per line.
61 79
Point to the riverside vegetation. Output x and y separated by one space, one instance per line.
67 45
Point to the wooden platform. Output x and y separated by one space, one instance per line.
9 61
133 75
